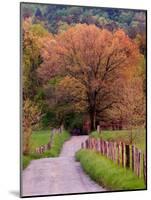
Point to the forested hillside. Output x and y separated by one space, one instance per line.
58 18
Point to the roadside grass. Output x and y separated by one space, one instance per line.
43 137
26 160
57 144
39 138
139 141
108 174
139 136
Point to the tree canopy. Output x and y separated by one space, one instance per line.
92 63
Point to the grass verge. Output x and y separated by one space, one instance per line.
107 173
57 144
39 138
26 160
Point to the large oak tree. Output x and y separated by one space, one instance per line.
95 58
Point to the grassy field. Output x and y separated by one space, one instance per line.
43 137
107 173
39 138
139 136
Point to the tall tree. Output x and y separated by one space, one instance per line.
95 59
33 38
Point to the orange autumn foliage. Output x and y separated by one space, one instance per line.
98 59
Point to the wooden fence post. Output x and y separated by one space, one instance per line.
107 149
139 163
86 144
93 143
133 158
118 153
127 152
144 167
98 128
89 143
114 151
97 145
111 150
123 157
136 161
101 146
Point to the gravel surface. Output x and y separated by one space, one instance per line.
59 175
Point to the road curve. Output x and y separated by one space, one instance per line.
61 175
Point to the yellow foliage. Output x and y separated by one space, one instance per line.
31 115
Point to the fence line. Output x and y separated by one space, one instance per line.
41 149
121 153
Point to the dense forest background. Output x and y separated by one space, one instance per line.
57 18
52 97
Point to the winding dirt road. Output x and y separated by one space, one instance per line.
59 175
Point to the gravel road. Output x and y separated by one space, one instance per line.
59 175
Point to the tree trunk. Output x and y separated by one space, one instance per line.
92 115
92 108
26 140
